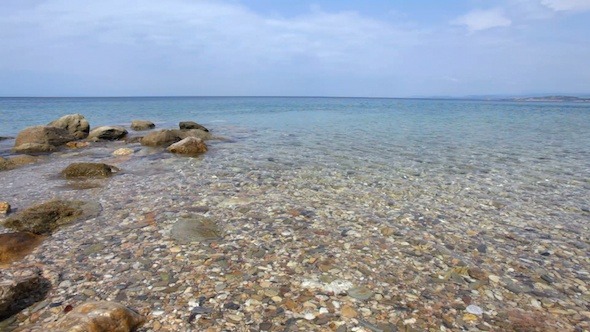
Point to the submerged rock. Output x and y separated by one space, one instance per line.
46 217
4 208
183 125
41 139
139 125
99 316
75 124
189 230
189 146
20 289
14 246
167 137
108 133
88 170
16 162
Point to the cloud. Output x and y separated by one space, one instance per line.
478 20
567 5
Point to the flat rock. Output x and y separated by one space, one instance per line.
189 230
41 139
188 146
88 170
17 161
191 125
20 288
75 124
99 316
14 246
46 217
139 125
108 133
163 137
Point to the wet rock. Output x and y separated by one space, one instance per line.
123 152
189 146
75 124
2 138
139 125
98 317
16 162
188 230
88 170
20 288
477 273
4 208
360 293
14 246
108 133
48 216
348 312
41 139
183 125
163 137
482 248
77 145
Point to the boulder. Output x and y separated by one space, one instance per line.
199 133
16 161
41 139
46 217
75 124
191 125
188 146
108 133
163 137
139 125
98 316
88 170
20 288
14 246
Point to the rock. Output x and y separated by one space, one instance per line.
360 293
88 170
41 139
14 246
100 316
188 146
139 125
75 124
387 231
183 125
108 133
188 230
48 216
2 138
123 152
348 312
199 133
4 208
20 288
16 162
475 310
77 145
161 138
477 273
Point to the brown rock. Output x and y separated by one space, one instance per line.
14 246
348 312
48 216
20 288
183 125
41 138
477 273
387 231
16 162
77 145
100 316
189 146
4 208
138 125
108 133
75 124
161 138
88 170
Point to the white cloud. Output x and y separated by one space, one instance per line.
567 5
478 20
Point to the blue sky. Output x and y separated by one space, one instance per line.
294 48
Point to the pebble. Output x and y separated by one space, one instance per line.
473 309
348 312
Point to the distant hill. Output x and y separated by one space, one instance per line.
568 99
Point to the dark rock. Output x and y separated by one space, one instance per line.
108 133
139 125
88 170
14 246
161 138
482 248
549 279
189 146
48 216
41 139
231 306
75 124
265 326
2 138
98 316
191 125
20 289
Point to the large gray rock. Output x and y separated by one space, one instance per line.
188 146
100 316
46 217
75 124
20 288
138 125
108 133
183 125
41 139
88 170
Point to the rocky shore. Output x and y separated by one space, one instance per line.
143 234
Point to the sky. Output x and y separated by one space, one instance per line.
394 48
